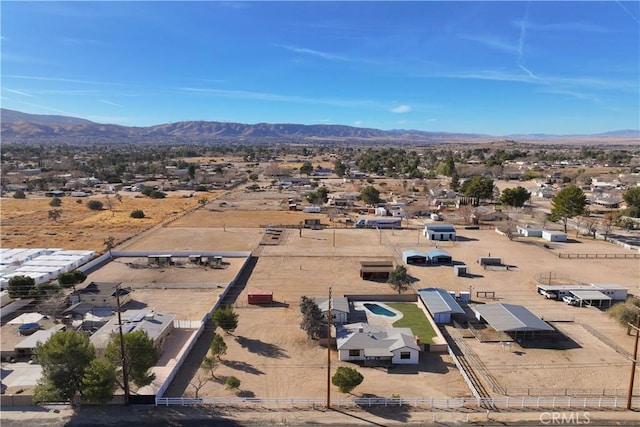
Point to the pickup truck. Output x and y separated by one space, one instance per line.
571 300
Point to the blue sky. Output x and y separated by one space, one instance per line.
498 68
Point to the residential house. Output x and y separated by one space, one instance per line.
377 345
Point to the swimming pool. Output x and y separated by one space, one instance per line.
379 310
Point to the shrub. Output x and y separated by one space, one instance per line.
79 201
55 202
71 278
137 214
95 205
19 194
155 194
232 383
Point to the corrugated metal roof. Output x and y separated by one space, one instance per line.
591 295
439 301
412 253
511 318
436 253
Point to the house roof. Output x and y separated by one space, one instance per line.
134 320
39 336
439 301
26 318
337 304
511 318
373 339
441 228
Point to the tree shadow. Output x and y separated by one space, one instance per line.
394 411
242 366
261 348
134 305
246 393
465 239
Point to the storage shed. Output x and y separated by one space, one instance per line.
554 236
438 256
440 304
414 257
440 232
260 297
460 270
376 270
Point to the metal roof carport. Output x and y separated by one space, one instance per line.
414 257
438 256
513 319
589 297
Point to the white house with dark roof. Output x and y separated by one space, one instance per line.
377 345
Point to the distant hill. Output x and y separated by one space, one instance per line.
21 127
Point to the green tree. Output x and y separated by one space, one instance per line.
140 354
19 194
306 168
399 279
20 286
232 383
311 318
64 358
370 195
339 168
218 346
568 203
71 278
632 197
210 364
478 187
55 202
137 214
191 171
95 205
99 381
225 318
515 197
346 379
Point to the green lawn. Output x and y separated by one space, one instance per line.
415 319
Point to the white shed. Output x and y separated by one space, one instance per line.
554 236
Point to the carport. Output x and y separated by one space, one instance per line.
414 257
515 320
591 298
438 256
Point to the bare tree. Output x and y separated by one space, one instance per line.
198 382
607 223
55 214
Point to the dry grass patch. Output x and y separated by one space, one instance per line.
26 223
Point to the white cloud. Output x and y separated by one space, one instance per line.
401 109
18 92
357 123
104 101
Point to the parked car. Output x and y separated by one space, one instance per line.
571 300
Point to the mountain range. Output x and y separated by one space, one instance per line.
18 127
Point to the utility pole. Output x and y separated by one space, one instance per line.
329 352
125 374
633 361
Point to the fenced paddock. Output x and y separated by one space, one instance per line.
458 403
599 256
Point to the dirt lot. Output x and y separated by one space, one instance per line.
26 223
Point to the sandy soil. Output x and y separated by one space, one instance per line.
25 223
